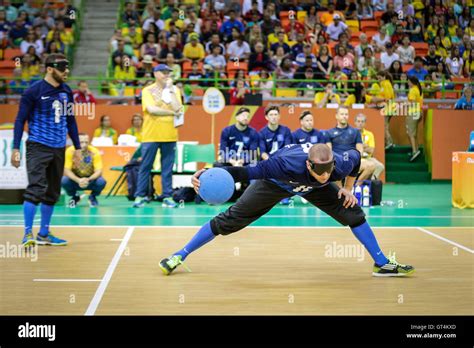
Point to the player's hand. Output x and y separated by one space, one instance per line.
195 181
83 182
16 158
349 199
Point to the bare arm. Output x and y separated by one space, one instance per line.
360 148
96 174
68 172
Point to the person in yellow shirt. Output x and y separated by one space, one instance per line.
415 104
136 128
105 129
84 173
194 50
370 167
178 22
161 105
328 17
359 96
66 37
321 99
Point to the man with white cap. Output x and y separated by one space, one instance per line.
336 28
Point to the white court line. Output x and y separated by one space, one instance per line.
262 217
108 274
445 240
116 239
67 280
262 227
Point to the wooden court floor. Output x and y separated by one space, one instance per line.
268 270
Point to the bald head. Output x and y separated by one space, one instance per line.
320 153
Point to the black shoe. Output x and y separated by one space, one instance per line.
392 269
73 201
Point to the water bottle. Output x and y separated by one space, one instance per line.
366 196
358 194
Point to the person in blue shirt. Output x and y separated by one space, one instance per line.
344 137
228 25
307 133
239 142
418 70
47 107
273 136
465 102
310 171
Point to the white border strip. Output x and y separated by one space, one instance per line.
445 240
269 226
108 274
67 280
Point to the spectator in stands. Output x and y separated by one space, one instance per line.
68 13
61 46
464 18
343 137
239 142
145 69
445 40
215 42
83 94
11 11
105 130
175 73
469 65
130 13
136 128
344 60
406 51
365 65
293 28
259 60
268 23
83 174
24 17
255 35
232 22
397 37
282 42
328 96
216 61
301 71
32 40
264 83
395 70
45 22
418 70
65 36
238 92
311 19
324 61
432 28
29 9
309 85
122 50
249 13
134 35
440 49
301 57
175 19
388 14
196 74
364 43
415 99
18 85
336 28
285 71
194 50
401 88
307 133
238 49
379 5
350 9
465 102
328 17
194 19
30 68
364 10
18 33
440 76
298 46
171 48
150 47
380 39
413 29
168 9
239 75
358 96
432 59
388 57
455 63
370 167
344 42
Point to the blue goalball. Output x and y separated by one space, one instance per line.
216 186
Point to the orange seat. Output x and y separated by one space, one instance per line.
421 48
187 66
447 95
11 53
407 67
284 14
234 66
332 47
7 64
378 16
462 80
368 24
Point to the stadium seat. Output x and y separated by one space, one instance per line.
231 66
368 25
462 80
370 34
378 16
286 92
353 25
447 95
301 16
11 53
187 66
7 64
407 67
421 48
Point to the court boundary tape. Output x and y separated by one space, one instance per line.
445 239
94 304
199 226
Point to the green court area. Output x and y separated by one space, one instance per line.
411 205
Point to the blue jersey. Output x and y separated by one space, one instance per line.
272 141
314 137
343 139
50 116
236 144
287 168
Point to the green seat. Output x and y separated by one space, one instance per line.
198 153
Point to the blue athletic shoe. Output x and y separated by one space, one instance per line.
169 203
285 201
28 240
93 201
50 240
140 202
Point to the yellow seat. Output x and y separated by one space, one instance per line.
301 16
353 25
129 92
286 92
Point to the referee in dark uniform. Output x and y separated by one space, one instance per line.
46 106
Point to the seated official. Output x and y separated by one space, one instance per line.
370 167
136 128
84 175
106 130
465 102
321 99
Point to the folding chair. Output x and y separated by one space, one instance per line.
123 174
